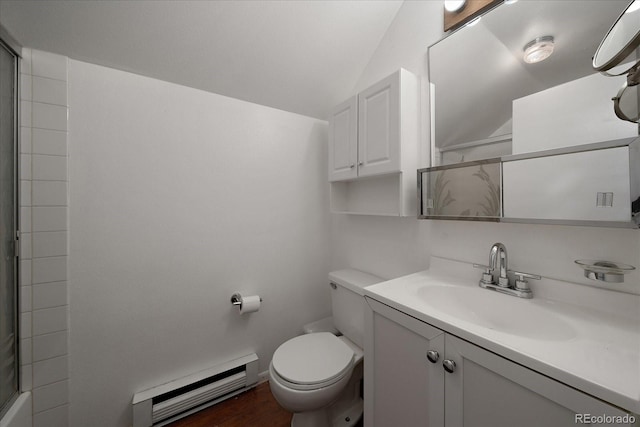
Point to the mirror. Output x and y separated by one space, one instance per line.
488 102
619 42
617 55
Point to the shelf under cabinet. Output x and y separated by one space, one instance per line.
384 195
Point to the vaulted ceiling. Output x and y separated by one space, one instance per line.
299 56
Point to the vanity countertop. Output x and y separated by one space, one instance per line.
585 337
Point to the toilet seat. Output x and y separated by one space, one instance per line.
312 361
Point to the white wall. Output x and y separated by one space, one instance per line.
180 197
391 247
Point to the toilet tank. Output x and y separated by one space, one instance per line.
347 301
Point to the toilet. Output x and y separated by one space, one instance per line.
317 375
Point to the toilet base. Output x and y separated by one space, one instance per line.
319 418
350 416
347 418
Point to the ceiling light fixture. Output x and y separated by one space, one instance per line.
454 5
538 50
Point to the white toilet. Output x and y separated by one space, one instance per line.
317 375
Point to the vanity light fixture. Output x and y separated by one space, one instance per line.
454 5
538 49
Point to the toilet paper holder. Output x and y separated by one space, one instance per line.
236 299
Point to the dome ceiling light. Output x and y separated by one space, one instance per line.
454 5
538 50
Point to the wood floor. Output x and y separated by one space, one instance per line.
255 407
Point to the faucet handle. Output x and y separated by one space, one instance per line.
521 280
487 276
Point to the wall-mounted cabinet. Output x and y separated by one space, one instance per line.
373 148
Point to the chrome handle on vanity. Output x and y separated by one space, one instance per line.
449 365
433 356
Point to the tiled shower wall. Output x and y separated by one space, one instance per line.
44 308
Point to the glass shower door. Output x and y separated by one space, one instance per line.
8 227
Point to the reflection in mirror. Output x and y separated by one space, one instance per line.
470 191
478 72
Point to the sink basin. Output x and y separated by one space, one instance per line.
496 311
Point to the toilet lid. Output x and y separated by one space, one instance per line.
312 358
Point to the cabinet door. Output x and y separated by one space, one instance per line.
488 390
379 127
402 387
343 141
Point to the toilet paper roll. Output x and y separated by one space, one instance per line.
250 304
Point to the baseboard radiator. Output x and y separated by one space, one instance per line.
161 405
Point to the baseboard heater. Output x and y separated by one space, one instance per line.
161 405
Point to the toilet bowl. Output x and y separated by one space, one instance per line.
311 372
317 376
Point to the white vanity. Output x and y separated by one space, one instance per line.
441 351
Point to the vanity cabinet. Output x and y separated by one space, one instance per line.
373 137
405 385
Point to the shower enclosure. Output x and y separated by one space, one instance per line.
8 227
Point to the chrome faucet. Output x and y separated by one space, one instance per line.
498 263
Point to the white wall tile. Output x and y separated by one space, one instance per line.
25 193
46 141
45 64
52 168
48 116
50 371
50 396
25 219
25 272
49 193
25 299
48 244
25 325
25 245
56 417
50 320
25 166
49 91
49 295
25 87
25 62
53 218
26 377
49 270
49 345
25 113
25 139
26 351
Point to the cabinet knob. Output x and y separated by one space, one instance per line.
361 164
449 365
352 165
433 356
